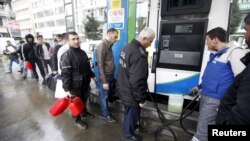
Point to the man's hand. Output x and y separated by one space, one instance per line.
68 94
142 104
55 72
94 79
195 89
105 86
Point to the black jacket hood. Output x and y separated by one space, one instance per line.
29 36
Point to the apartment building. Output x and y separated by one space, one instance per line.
6 16
24 17
49 17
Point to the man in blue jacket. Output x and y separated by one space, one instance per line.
217 77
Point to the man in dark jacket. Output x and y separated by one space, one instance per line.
62 39
235 106
29 55
13 56
76 73
42 52
132 81
105 63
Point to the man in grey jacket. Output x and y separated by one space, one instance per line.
105 64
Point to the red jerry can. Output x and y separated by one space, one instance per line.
28 65
76 106
59 106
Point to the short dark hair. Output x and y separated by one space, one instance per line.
71 33
112 30
219 33
64 35
59 36
247 19
39 36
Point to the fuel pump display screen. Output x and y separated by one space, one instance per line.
186 28
182 44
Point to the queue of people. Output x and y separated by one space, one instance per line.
224 86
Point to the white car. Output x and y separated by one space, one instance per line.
89 47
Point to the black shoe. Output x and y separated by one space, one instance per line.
109 119
87 115
133 138
44 82
112 113
80 124
24 77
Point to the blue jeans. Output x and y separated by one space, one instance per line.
25 70
103 97
10 61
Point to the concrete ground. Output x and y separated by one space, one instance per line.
24 115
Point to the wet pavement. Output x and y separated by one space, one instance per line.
24 116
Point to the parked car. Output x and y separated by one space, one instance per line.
89 47
239 39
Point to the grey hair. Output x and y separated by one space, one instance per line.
146 33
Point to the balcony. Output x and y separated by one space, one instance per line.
6 13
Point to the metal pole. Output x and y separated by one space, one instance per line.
229 18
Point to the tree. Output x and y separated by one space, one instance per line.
235 17
91 28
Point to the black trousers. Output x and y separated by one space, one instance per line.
84 94
131 120
40 66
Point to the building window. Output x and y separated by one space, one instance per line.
49 12
59 10
69 21
39 14
50 23
60 22
1 6
67 1
1 22
68 9
58 0
40 25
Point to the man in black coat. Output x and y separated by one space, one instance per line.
29 49
132 81
62 39
76 73
235 106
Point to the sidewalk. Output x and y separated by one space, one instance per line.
24 116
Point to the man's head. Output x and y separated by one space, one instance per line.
146 37
112 35
8 42
247 28
40 39
73 40
64 38
59 38
29 38
215 38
